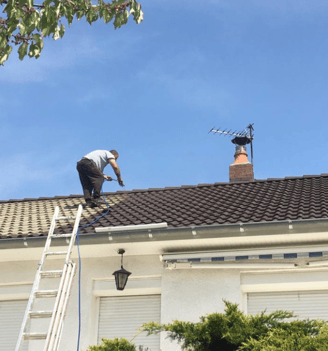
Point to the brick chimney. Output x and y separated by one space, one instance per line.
241 170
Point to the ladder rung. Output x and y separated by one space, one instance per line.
40 314
49 253
59 218
51 274
46 293
34 336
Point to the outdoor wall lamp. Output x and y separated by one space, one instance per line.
121 276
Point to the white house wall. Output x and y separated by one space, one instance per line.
186 294
189 294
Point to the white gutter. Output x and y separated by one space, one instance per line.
241 236
124 228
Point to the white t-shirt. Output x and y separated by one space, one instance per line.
100 158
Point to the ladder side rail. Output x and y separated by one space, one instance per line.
50 234
28 307
75 229
60 328
35 283
60 309
55 309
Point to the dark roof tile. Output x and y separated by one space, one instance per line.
205 204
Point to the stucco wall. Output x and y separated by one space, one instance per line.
186 294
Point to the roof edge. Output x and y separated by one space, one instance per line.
218 231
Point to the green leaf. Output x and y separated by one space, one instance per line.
69 16
62 30
79 14
22 29
57 33
30 28
34 51
35 18
37 38
46 31
5 54
3 40
107 15
22 51
136 12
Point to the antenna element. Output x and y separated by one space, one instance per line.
243 137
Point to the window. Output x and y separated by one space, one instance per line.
11 318
305 304
122 316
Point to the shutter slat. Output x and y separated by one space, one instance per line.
11 318
122 316
304 304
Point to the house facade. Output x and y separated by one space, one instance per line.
260 243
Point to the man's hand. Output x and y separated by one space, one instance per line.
108 177
116 170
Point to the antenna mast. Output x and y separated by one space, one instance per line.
244 137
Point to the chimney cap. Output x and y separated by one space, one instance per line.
241 140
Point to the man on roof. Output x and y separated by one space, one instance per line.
91 168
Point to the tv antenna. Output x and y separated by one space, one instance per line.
244 137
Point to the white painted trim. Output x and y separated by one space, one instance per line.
127 292
270 287
137 285
244 302
139 277
97 309
15 297
15 284
318 263
15 291
299 270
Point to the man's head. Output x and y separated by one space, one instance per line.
115 153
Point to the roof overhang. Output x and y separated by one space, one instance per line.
159 239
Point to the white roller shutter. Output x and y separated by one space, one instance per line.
11 318
122 316
305 304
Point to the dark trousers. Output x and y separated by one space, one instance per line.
91 179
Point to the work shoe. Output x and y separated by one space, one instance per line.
90 204
98 202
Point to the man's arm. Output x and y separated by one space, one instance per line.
116 170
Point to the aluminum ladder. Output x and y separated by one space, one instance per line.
61 295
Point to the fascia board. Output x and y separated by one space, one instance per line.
240 234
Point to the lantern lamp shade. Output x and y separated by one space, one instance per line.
121 278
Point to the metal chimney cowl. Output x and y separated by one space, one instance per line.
241 170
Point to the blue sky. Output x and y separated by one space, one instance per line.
153 91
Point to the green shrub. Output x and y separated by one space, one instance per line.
236 331
233 330
114 345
